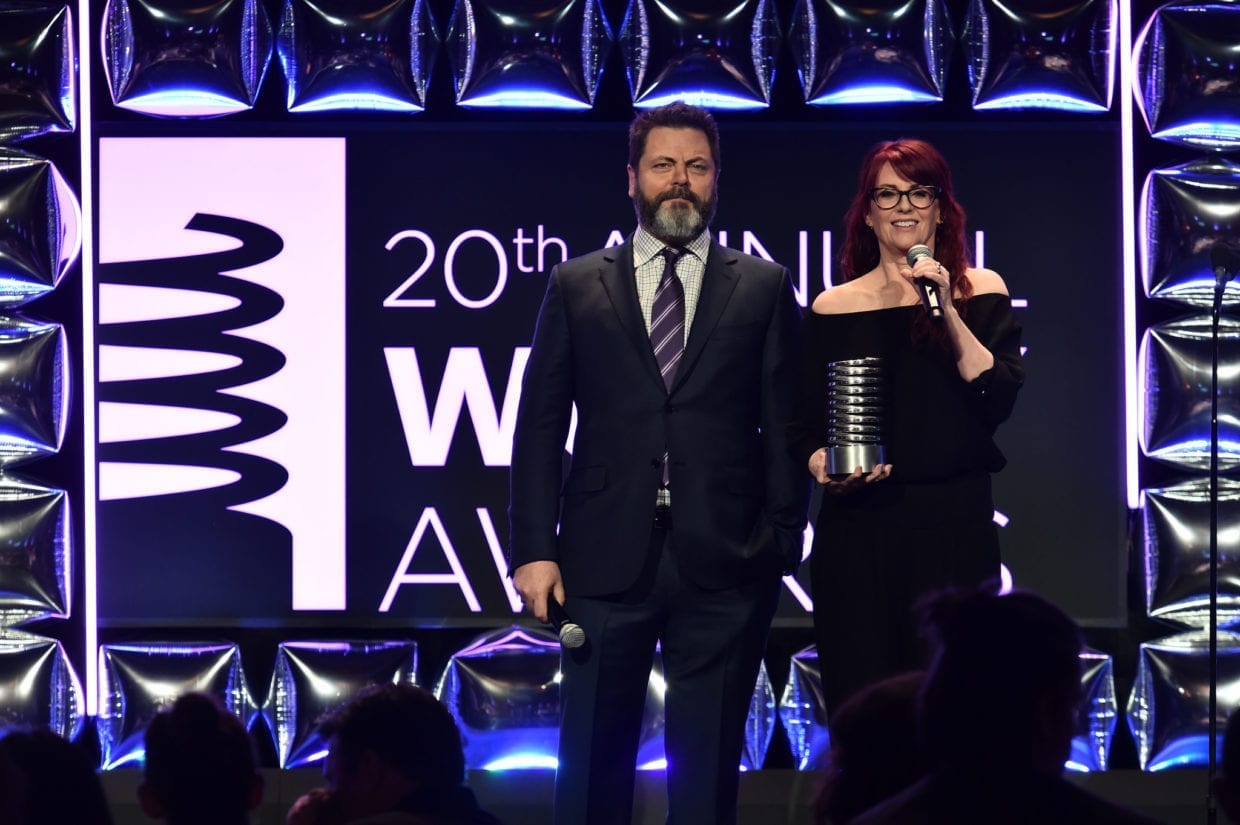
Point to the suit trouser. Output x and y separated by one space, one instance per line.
712 643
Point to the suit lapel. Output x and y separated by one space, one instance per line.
616 276
718 283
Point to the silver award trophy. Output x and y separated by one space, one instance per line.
855 389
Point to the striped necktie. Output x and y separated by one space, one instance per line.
667 318
667 326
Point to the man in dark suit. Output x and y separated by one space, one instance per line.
682 506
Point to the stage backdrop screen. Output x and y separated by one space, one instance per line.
309 350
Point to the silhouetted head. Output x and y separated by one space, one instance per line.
386 742
1227 781
874 748
200 767
1004 684
53 780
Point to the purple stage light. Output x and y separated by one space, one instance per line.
173 59
887 52
503 689
803 712
313 678
1095 722
1128 270
1175 370
1185 211
1176 552
1168 711
760 724
34 386
36 570
708 55
546 55
374 55
139 680
1188 86
38 684
39 227
1031 55
38 93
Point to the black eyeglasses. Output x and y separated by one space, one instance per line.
885 197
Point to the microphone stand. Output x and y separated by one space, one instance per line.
1221 278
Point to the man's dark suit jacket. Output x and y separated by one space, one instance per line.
738 498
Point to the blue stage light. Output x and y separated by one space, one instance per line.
1187 65
138 680
1176 556
312 678
881 53
185 60
38 89
38 684
715 57
40 227
1168 711
1185 211
1034 55
546 55
1175 371
346 55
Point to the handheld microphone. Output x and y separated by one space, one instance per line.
571 634
929 292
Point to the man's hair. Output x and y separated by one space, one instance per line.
676 115
200 762
406 727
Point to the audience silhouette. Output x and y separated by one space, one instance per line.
395 758
1227 781
874 749
200 767
997 713
46 780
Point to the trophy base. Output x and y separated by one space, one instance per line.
843 460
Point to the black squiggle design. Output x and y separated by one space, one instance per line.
259 477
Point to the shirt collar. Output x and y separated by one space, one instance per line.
646 246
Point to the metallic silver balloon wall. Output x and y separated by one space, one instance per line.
212 59
1187 88
40 225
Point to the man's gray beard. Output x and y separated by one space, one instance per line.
677 226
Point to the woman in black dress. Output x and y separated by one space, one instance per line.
888 534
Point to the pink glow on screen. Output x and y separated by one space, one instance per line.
124 303
295 188
1128 272
90 600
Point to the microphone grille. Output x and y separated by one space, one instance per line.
571 635
918 251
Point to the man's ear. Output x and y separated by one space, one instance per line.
632 182
255 797
148 802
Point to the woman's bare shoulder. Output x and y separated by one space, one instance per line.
986 281
850 296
